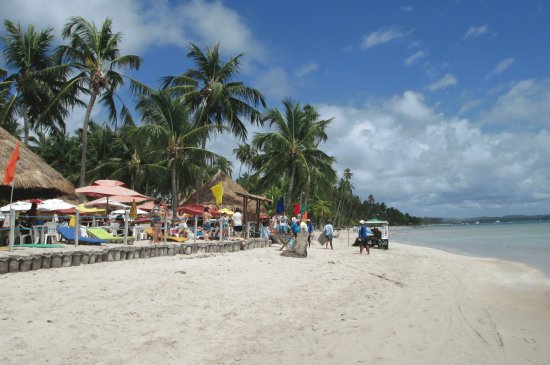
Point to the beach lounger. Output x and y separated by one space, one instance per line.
149 232
109 237
67 233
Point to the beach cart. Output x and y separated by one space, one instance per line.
380 229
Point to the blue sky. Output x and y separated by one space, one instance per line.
441 108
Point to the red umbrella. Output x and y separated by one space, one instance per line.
197 209
147 206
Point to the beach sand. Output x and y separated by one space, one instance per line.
407 305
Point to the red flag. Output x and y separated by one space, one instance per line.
9 174
296 209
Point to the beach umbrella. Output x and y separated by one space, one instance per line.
105 203
20 206
122 211
147 206
108 188
52 205
85 210
226 211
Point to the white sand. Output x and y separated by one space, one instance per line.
407 305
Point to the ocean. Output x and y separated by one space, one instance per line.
526 242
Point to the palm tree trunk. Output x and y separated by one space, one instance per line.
26 124
201 173
85 139
291 183
174 190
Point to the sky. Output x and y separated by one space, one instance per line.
440 108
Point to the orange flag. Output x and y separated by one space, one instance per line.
304 217
9 174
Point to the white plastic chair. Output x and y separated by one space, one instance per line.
50 230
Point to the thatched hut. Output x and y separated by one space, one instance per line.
34 178
234 195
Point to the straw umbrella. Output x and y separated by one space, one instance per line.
34 177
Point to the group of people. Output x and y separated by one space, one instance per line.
209 225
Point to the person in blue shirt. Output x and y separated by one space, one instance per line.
309 231
363 238
295 227
328 231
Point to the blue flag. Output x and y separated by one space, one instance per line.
281 206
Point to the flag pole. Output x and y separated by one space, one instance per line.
12 221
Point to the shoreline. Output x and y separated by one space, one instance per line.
255 306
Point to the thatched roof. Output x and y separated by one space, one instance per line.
34 178
232 193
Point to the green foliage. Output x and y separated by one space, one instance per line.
164 154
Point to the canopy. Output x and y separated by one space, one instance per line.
376 221
226 211
197 209
84 210
105 202
102 188
52 205
20 206
121 211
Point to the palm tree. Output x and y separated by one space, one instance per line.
213 95
168 126
37 79
245 153
292 149
322 209
95 55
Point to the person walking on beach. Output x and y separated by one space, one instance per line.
237 222
309 231
156 220
328 231
363 238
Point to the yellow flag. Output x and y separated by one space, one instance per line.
217 190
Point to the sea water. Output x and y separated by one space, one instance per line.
527 242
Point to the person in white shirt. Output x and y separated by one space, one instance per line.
238 222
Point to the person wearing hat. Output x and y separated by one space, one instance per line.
309 231
363 238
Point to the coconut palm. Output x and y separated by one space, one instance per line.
168 126
245 153
292 149
95 55
37 79
214 96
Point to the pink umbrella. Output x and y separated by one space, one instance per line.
108 188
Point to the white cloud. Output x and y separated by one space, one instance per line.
525 104
474 31
381 36
274 83
408 155
502 66
147 22
415 57
442 83
307 69
406 8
